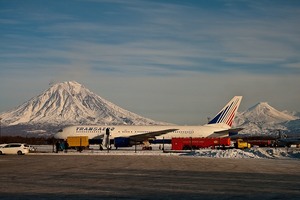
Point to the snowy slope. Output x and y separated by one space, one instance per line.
263 119
71 103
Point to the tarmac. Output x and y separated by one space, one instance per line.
77 176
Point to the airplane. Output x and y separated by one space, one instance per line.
129 135
283 140
288 142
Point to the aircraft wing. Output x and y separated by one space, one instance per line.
149 135
226 132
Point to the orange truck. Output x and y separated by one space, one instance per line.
78 142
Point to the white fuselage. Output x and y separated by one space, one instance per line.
127 131
216 127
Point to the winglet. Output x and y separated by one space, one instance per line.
227 114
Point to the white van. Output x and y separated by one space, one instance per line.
14 148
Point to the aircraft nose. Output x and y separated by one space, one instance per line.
58 135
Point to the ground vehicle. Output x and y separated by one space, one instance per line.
78 142
15 148
261 143
197 143
240 144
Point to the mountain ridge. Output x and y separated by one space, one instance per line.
264 119
71 103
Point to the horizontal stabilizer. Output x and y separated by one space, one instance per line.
226 132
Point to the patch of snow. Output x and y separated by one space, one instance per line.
258 153
36 131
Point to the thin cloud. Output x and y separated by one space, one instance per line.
179 51
171 34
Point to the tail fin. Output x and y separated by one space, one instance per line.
227 114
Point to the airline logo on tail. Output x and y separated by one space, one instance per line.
227 114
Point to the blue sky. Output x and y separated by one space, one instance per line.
174 61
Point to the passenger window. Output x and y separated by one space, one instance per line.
15 145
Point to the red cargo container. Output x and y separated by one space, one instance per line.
197 143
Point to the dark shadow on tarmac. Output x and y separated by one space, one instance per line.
156 184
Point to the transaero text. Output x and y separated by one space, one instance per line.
96 128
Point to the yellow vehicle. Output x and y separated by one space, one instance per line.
241 144
78 142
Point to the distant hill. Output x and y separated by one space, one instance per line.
264 119
63 104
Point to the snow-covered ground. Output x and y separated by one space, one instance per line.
256 153
269 153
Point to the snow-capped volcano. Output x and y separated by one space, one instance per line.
266 113
263 118
71 103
